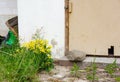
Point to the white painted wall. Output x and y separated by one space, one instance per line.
49 14
3 27
8 9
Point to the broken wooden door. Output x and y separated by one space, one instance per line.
94 26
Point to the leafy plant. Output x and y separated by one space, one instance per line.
117 79
39 34
41 48
91 72
21 64
75 70
111 68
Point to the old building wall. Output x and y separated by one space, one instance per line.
95 26
45 14
8 9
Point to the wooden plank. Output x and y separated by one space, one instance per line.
66 25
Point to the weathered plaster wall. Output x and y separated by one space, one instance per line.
8 9
95 26
48 14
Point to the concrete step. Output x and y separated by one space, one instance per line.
99 60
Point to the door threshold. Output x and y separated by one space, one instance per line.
108 56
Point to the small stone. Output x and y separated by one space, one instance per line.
84 79
101 80
100 70
59 76
53 80
80 80
70 79
76 55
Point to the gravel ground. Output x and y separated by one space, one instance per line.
62 74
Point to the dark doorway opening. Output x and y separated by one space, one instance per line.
111 51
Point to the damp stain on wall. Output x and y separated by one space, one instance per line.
57 51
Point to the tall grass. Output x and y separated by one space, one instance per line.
20 64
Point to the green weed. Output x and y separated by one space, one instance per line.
111 68
75 70
21 64
91 72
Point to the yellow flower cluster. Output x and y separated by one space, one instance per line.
38 46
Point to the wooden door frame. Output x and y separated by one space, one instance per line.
67 31
66 26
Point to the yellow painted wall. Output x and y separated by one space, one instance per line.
95 26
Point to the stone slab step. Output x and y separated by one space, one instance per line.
99 60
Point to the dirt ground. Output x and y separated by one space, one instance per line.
63 74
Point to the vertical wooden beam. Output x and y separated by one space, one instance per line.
66 25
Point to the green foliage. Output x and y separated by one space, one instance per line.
91 72
21 64
111 68
39 34
43 50
117 79
75 71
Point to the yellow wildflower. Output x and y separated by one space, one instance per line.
38 45
49 56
